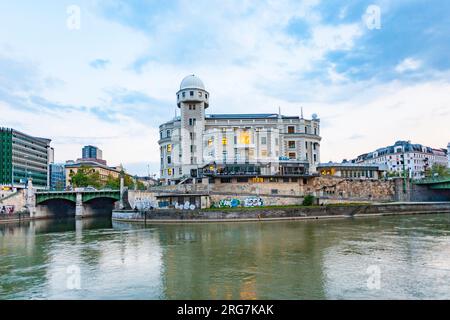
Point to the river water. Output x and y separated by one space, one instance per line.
397 257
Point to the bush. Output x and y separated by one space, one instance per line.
308 200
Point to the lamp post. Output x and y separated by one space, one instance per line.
26 169
12 174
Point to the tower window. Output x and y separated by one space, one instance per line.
183 94
200 94
206 95
191 93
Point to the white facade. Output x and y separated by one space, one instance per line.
418 158
448 155
194 140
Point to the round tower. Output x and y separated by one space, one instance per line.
192 99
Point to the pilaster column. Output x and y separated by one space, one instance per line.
79 210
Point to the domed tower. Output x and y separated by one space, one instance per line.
192 99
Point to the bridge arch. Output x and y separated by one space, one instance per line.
56 208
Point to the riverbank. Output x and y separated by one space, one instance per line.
281 213
14 218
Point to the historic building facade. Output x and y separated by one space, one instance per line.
196 145
406 156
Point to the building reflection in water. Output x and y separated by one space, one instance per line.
269 260
242 261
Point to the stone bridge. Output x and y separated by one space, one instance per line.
78 203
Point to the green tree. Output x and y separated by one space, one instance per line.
113 183
308 200
85 177
438 170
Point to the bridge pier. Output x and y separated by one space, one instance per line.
30 199
79 208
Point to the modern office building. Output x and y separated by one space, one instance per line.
57 173
91 152
196 145
405 156
23 156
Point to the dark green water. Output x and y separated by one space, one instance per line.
273 260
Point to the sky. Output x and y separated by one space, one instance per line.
105 72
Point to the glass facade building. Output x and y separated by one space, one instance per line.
57 174
23 156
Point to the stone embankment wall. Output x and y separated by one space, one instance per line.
167 216
333 189
16 200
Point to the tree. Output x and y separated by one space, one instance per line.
308 200
438 170
86 177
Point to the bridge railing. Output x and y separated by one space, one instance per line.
432 180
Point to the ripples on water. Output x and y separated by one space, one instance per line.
325 259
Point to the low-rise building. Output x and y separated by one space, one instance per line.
350 170
403 156
448 155
24 157
72 167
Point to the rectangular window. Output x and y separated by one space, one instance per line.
291 129
291 144
169 148
263 140
292 156
224 141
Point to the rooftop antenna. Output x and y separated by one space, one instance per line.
301 112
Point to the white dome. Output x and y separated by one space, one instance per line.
192 82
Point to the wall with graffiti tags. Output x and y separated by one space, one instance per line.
239 202
7 210
221 201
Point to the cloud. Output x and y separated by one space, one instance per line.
408 64
99 63
252 56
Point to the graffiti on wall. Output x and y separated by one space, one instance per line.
233 203
144 204
253 202
6 209
229 203
186 206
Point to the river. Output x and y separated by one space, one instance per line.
396 257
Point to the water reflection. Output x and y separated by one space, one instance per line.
276 260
